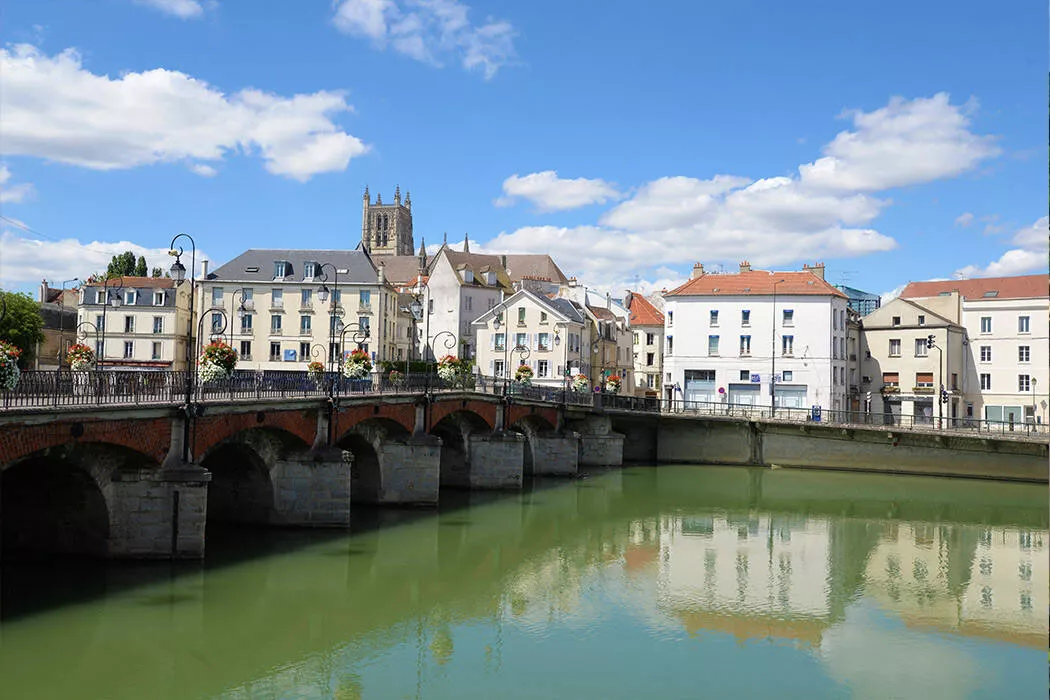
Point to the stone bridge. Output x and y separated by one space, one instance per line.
111 481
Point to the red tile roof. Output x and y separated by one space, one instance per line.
756 283
1023 287
643 313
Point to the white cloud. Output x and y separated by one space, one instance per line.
904 143
965 219
13 193
26 261
52 108
183 9
204 170
428 31
551 193
1032 246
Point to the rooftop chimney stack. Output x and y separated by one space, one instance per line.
817 269
745 266
698 271
204 269
382 273
572 281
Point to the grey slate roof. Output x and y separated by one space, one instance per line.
565 307
256 265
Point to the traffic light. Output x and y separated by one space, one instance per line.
944 394
929 341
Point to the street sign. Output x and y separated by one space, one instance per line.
776 378
756 378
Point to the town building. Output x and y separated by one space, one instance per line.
286 308
611 343
730 338
902 374
386 229
551 336
58 311
863 303
1007 322
135 323
647 324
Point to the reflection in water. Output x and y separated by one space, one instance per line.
646 582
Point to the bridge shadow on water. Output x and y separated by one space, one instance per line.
34 582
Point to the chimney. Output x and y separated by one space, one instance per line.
745 266
817 269
503 261
572 281
204 269
608 300
43 291
382 273
698 271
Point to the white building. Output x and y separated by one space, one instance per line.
143 321
608 338
647 324
1007 322
548 335
730 337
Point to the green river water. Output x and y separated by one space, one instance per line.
646 582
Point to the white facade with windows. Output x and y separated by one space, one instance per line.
729 340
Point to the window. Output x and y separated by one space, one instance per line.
306 297
246 349
246 323
924 380
520 340
430 307
130 296
100 296
309 270
468 303
216 296
788 376
1023 324
497 368
986 353
712 345
891 379
895 347
650 339
280 269
98 348
333 350
217 324
896 321
543 368
788 344
834 376
129 324
543 317
100 322
922 320
650 359
714 318
275 352
920 347
158 324
986 324
304 351
129 349
789 317
745 345
834 320
745 375
670 345
1024 353
670 318
277 299
364 322
521 315
275 323
1024 383
636 338
304 324
337 297
986 382
745 318
545 341
500 340
156 351
955 381
158 298
364 298
650 381
247 294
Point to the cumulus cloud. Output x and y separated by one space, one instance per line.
548 192
1029 254
429 31
183 9
774 220
53 108
14 192
965 219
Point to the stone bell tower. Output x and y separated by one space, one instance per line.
386 229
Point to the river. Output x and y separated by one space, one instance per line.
645 582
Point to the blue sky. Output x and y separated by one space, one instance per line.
894 141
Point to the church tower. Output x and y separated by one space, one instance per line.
386 229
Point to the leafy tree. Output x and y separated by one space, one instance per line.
124 264
21 325
157 272
140 267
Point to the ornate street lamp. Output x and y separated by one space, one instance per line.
178 273
82 332
246 306
111 297
323 292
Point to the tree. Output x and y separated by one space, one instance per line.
22 324
157 272
140 267
123 264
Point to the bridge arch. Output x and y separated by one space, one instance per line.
365 440
455 429
531 425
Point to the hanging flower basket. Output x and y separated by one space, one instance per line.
9 372
449 368
396 378
613 384
523 375
316 369
580 382
80 357
216 362
357 365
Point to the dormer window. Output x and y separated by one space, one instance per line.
309 270
100 296
281 269
129 297
158 298
468 276
490 277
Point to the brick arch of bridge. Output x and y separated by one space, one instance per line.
214 429
517 413
150 437
369 473
443 408
404 414
245 467
62 498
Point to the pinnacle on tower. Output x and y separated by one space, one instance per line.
366 194
379 198
397 194
408 199
466 242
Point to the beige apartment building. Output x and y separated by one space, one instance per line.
647 323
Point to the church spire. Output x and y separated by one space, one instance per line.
422 256
466 242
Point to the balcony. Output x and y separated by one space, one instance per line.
891 389
306 307
246 357
364 308
922 390
277 305
276 331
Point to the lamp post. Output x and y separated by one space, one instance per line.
82 331
246 306
773 355
323 293
112 298
360 335
523 353
178 273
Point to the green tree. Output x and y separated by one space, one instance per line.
123 264
140 267
157 272
22 324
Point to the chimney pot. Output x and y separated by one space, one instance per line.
745 266
204 269
698 271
